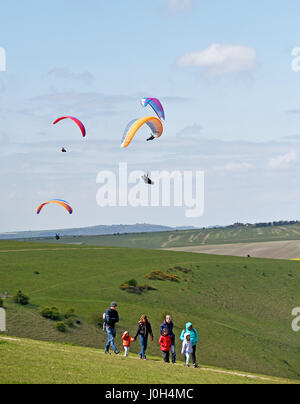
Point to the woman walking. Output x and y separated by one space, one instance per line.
143 332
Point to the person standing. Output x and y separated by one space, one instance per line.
165 345
189 329
111 318
168 324
187 348
127 339
143 332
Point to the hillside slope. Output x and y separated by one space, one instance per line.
189 238
268 249
33 362
240 307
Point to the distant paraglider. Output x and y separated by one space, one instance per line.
132 128
155 104
63 150
77 121
147 180
65 204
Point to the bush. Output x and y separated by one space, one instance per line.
138 289
51 313
132 282
184 270
1 302
61 326
70 313
160 276
21 298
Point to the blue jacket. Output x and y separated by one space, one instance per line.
193 334
111 318
169 327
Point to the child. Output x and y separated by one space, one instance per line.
187 348
127 339
165 343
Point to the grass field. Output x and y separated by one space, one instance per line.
240 307
33 362
189 238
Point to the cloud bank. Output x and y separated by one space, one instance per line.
218 59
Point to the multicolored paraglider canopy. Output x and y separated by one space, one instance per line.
61 202
156 106
132 128
77 121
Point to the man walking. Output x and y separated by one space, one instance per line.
111 318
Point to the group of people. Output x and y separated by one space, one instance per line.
189 337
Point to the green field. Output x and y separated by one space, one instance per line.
240 307
189 238
22 363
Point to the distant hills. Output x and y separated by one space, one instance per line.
93 231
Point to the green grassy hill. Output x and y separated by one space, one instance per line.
240 307
189 238
22 363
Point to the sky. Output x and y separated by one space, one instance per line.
224 72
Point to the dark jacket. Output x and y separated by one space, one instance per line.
144 330
111 318
168 327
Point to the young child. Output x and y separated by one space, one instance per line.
165 343
187 348
127 339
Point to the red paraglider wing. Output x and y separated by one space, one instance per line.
77 121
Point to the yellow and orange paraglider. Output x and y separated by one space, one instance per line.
65 204
132 128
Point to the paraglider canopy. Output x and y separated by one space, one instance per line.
156 106
132 128
61 202
77 121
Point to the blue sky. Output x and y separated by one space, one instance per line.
222 70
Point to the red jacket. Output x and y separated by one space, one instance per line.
165 343
127 339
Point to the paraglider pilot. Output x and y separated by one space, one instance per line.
147 180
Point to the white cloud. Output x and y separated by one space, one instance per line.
220 59
176 6
283 161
